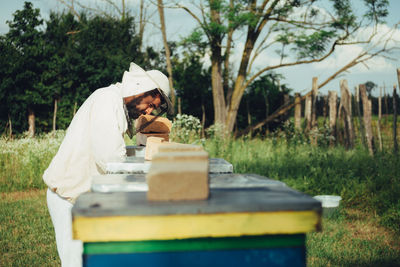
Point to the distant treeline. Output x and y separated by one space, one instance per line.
63 60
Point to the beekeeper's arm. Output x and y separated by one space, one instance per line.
107 126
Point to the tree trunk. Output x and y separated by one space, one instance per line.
31 122
10 126
297 111
142 24
227 88
167 51
240 81
74 110
216 71
55 114
218 92
332 95
203 119
347 114
367 118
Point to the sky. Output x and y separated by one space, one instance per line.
381 71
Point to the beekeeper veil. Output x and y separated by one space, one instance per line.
137 81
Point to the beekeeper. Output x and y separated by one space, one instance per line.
95 137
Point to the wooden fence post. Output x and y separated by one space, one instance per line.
307 112
332 95
367 118
314 118
297 111
379 119
386 104
358 110
325 107
347 115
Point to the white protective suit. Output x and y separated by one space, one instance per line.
94 137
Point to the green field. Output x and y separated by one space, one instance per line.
364 232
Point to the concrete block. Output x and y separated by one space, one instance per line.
152 145
180 156
141 138
177 176
179 147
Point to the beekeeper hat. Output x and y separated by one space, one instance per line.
137 81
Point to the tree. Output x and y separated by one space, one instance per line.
369 86
192 82
310 33
8 55
62 63
24 35
260 99
160 7
110 9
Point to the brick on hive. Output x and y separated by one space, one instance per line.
176 176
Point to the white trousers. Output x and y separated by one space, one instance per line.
69 250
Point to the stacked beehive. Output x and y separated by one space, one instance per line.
159 127
177 171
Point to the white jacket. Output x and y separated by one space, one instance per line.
94 137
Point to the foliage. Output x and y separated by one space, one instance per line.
65 60
185 129
26 42
192 82
262 98
369 86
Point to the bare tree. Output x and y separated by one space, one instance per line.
111 9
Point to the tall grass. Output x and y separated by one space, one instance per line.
23 161
363 181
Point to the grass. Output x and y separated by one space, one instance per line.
365 182
365 232
352 238
26 231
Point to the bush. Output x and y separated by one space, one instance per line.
186 129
